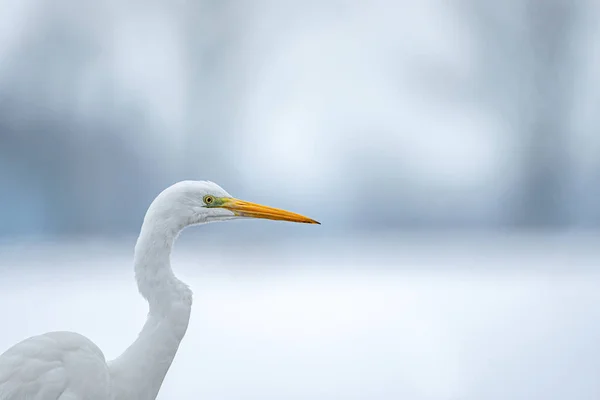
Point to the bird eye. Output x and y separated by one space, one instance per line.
208 200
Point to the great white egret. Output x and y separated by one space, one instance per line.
68 366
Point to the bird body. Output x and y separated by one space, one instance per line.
68 366
55 365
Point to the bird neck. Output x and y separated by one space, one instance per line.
139 372
152 263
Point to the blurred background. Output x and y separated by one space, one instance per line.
451 150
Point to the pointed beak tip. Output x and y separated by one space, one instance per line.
310 221
253 210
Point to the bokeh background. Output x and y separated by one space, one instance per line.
451 150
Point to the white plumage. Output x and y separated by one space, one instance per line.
55 365
68 366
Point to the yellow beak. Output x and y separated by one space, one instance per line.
252 210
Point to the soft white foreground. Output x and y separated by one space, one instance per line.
330 332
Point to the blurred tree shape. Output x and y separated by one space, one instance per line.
528 67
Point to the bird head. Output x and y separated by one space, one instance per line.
197 202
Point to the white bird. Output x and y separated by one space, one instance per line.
68 366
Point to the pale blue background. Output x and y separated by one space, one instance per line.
451 150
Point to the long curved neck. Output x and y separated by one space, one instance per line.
139 372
